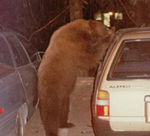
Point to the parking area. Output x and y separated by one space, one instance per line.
79 114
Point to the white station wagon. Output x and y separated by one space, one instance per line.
121 98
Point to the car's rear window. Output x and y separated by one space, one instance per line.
132 60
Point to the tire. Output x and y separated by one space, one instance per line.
21 120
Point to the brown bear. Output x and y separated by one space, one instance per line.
75 49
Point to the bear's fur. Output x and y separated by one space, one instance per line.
74 50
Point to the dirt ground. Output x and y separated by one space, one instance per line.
34 127
79 115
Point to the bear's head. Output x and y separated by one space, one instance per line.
98 37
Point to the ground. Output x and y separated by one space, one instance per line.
79 115
34 127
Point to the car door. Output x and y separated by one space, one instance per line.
26 71
11 90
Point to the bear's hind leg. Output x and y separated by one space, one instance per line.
63 112
49 114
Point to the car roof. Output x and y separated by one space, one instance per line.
136 29
129 33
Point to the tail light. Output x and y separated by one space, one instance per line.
102 103
1 110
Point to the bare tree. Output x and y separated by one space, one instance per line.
142 14
76 11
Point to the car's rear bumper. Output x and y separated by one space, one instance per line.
102 128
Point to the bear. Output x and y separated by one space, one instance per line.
75 49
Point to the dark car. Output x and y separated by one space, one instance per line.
18 85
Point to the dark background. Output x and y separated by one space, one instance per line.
36 20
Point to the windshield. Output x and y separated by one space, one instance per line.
132 60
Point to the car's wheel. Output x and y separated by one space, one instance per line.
21 119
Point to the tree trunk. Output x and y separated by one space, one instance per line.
143 13
76 11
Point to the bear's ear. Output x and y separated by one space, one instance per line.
93 23
110 33
111 30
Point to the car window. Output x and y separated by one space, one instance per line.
29 48
6 65
19 53
132 60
